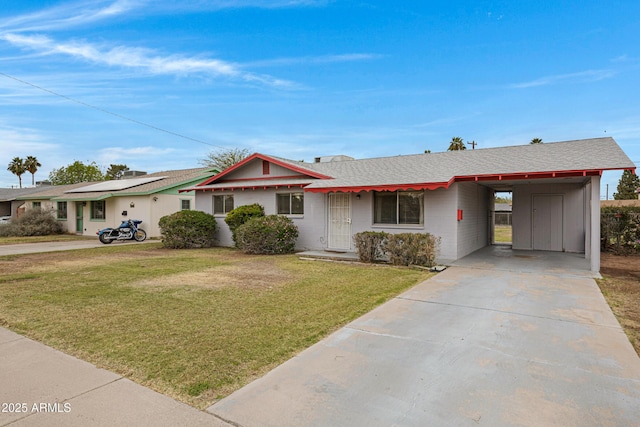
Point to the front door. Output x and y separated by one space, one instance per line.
547 222
79 218
340 221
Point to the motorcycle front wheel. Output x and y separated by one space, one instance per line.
140 235
103 238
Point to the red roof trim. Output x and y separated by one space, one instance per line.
463 178
387 187
241 164
232 187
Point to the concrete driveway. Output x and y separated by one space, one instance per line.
502 338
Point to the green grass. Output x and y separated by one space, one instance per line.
193 324
502 234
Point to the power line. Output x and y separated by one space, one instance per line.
102 110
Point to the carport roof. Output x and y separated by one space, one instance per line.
587 157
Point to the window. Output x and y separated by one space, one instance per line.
222 204
62 210
290 203
185 204
265 167
97 209
36 205
400 207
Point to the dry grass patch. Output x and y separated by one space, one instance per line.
620 286
193 324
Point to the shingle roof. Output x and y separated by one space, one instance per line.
171 179
443 168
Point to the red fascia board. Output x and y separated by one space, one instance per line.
464 178
528 175
240 164
232 187
387 187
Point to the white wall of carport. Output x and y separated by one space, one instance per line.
473 229
573 209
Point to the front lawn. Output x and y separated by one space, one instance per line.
193 324
620 285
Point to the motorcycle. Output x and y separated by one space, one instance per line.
128 230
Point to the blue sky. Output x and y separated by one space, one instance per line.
307 78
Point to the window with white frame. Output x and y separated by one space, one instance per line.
290 203
222 204
185 204
98 209
399 207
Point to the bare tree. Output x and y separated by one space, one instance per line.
224 159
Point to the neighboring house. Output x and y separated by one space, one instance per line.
555 194
502 214
9 203
87 207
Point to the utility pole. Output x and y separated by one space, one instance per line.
472 144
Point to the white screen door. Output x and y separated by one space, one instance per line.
340 221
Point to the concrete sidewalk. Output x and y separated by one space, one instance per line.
40 386
69 245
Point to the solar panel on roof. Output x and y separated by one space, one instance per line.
116 185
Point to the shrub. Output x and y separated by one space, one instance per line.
370 245
242 214
620 229
272 234
412 249
34 222
188 229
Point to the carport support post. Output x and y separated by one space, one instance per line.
595 224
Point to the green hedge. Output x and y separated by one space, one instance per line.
272 234
242 214
188 229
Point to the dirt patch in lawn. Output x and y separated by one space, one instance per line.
621 287
251 274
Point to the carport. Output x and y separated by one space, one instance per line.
557 212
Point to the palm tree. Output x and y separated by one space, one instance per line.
32 164
17 168
456 144
536 141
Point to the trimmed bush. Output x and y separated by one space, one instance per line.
272 234
412 249
34 222
370 245
242 214
188 229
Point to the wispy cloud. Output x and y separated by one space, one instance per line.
141 58
321 59
580 77
70 15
